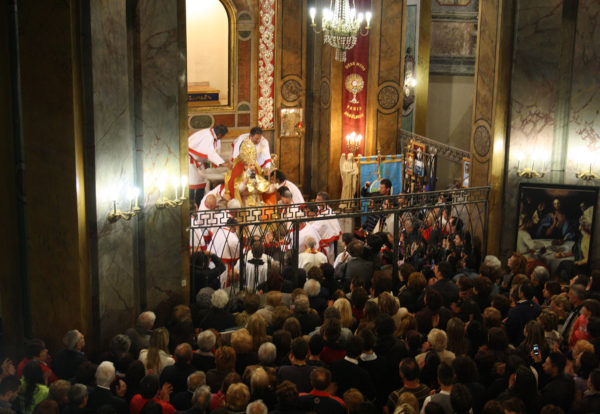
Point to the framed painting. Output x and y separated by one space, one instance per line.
291 119
555 226
466 173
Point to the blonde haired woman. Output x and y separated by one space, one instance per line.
157 357
346 318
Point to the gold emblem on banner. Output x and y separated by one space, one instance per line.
354 84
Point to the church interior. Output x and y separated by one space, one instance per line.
99 97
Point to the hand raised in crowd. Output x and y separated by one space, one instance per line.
121 388
165 392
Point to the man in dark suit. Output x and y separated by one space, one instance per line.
177 374
140 334
355 266
200 401
299 371
560 389
102 395
67 360
184 400
346 373
444 284
524 311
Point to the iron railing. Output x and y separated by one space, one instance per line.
278 227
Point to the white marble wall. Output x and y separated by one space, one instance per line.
136 88
114 163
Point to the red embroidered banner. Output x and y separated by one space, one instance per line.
354 94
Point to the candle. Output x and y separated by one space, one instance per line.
134 195
183 185
161 187
175 182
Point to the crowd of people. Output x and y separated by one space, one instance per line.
345 326
349 338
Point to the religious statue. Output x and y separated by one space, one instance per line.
349 173
244 181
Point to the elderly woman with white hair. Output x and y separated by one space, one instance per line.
437 340
218 317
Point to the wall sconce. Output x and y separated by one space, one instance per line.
116 215
353 142
587 159
530 172
163 201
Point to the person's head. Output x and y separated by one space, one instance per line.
195 379
593 327
409 369
437 339
526 290
78 395
206 341
408 399
312 287
576 295
201 398
36 349
259 381
219 299
241 341
73 340
465 369
331 330
355 248
416 282
210 202
540 276
560 304
320 378
267 353
444 270
517 263
237 396
278 176
433 299
220 131
590 307
554 364
9 388
354 347
497 339
445 375
256 135
225 358
149 386
353 398
491 317
385 187
292 325
316 344
299 349
257 407
381 282
461 399
59 391
287 394
183 353
343 305
384 325
105 374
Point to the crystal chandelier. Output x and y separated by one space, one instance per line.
340 25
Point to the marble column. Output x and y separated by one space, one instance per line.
490 105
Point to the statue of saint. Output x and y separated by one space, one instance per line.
349 173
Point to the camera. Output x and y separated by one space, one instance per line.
536 350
